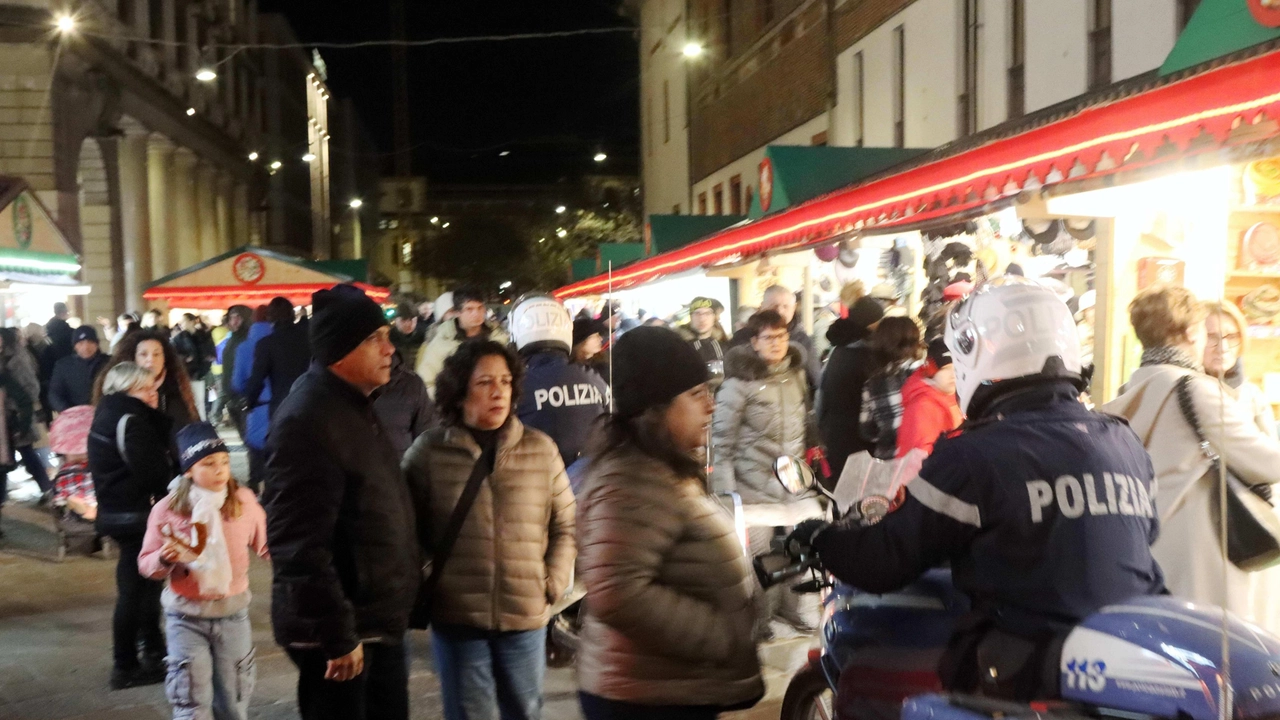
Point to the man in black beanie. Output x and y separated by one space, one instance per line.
341 522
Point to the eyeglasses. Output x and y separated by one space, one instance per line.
774 337
1233 341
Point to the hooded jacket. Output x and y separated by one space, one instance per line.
670 594
761 413
514 554
927 413
443 344
258 417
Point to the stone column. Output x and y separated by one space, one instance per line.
162 188
169 20
186 209
207 210
135 218
247 233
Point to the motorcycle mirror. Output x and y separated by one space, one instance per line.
794 474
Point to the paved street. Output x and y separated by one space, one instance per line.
55 640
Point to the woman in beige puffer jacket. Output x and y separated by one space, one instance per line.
670 594
515 552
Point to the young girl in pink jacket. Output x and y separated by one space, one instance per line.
199 538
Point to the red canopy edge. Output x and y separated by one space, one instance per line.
213 298
1187 117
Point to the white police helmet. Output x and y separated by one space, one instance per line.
540 321
1010 329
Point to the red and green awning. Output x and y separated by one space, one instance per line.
1177 118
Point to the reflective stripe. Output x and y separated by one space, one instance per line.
944 504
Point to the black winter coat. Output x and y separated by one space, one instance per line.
282 357
128 484
403 407
341 521
840 403
72 381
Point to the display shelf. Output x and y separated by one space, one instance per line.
1254 275
1256 209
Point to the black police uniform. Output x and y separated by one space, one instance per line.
563 400
1046 512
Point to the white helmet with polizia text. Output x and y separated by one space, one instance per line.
1009 333
539 322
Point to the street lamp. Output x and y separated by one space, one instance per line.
191 112
560 209
601 157
435 221
692 50
356 203
253 156
561 232
65 23
206 75
505 285
309 158
445 225
277 165
504 153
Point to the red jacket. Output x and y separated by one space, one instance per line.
927 412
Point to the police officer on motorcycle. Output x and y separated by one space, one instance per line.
559 398
1044 509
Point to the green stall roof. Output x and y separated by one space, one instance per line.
1218 28
584 268
669 232
802 173
619 254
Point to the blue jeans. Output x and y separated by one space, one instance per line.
485 675
211 666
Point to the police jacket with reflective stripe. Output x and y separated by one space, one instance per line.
1045 510
563 400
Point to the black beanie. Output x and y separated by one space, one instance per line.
652 365
866 312
341 319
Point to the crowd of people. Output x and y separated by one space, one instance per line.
451 471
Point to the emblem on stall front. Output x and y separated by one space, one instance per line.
248 268
1266 12
766 184
22 226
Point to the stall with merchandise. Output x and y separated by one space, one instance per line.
37 266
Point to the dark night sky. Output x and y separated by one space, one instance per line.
551 102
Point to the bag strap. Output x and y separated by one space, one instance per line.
121 427
479 472
1182 389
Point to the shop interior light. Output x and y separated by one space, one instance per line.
693 50
309 157
206 74
14 288
191 112
253 157
356 203
65 23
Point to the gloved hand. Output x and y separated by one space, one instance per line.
800 541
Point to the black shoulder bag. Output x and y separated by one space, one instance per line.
1253 529
420 618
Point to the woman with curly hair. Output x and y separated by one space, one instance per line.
514 553
151 350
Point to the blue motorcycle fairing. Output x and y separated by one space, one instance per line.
1161 656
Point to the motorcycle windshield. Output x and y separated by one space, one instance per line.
865 476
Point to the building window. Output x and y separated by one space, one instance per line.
899 87
1017 58
735 195
666 112
702 203
718 193
819 140
1186 8
1099 43
859 95
967 107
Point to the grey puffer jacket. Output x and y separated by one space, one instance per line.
761 413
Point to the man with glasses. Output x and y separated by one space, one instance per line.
707 336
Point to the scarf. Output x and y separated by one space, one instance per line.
212 568
1169 356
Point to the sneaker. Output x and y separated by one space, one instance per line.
123 678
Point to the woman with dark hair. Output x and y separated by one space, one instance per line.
514 554
668 627
896 349
151 350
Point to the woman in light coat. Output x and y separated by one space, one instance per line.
1169 322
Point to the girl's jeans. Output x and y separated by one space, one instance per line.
211 666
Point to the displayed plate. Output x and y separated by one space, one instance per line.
1262 244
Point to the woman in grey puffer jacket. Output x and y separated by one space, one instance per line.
762 412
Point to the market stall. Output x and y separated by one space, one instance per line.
37 266
249 276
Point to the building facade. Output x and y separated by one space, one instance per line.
721 80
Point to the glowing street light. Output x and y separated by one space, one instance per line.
356 203
309 157
253 156
65 23
191 112
601 157
504 153
505 285
561 232
435 221
542 240
206 75
445 225
560 209
277 165
693 50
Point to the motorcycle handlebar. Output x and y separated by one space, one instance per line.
769 578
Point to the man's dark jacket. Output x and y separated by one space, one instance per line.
197 352
563 400
403 407
340 521
233 342
282 358
127 484
840 403
72 381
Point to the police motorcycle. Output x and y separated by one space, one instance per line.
1150 657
